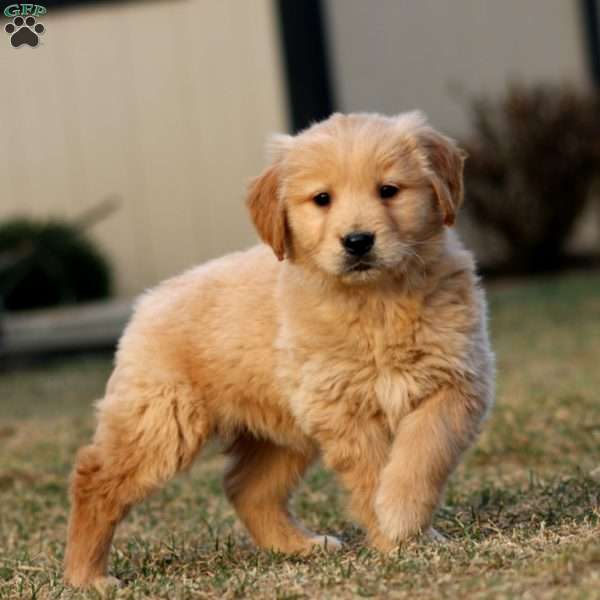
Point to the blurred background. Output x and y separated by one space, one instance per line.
130 131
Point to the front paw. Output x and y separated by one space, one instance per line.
386 545
105 585
402 517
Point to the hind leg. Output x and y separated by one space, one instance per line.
259 483
140 443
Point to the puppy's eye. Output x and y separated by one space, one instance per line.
322 199
388 191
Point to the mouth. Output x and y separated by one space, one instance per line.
360 266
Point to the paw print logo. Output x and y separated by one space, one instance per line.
24 31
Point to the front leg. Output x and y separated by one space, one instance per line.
357 450
426 449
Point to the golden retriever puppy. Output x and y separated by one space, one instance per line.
358 333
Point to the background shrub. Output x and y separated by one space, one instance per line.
532 159
48 264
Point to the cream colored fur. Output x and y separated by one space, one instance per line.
386 373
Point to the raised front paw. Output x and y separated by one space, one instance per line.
403 516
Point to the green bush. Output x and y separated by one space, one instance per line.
532 159
48 264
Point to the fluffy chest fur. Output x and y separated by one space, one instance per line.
378 356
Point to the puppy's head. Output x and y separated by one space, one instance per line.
357 196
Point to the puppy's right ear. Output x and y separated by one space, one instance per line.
266 209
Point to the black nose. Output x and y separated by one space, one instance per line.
358 243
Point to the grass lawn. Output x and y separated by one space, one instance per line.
522 513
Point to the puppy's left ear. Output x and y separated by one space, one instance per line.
267 210
445 161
